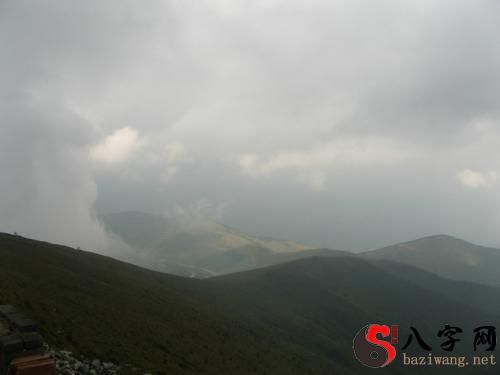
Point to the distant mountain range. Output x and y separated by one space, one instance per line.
196 247
202 248
446 256
262 306
296 317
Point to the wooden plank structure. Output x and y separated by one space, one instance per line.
22 350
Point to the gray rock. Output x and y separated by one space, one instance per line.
67 364
107 365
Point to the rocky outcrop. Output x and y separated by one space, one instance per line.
67 364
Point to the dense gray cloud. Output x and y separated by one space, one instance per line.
341 123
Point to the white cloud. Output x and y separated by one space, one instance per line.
325 94
342 152
315 180
198 212
172 153
168 175
475 179
117 147
175 152
166 160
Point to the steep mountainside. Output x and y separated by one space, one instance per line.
112 310
293 318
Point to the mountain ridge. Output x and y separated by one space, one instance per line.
447 256
291 318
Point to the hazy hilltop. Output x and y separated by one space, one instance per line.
195 247
298 317
203 248
446 256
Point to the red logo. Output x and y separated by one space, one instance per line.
370 348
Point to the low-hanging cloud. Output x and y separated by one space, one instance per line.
118 147
374 151
50 53
476 179
319 118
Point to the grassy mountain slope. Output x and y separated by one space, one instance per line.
201 248
446 256
483 297
102 307
334 296
293 318
196 247
253 256
138 229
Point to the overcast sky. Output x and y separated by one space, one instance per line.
348 124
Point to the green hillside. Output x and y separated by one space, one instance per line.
196 247
202 248
138 229
293 318
483 297
105 308
446 256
